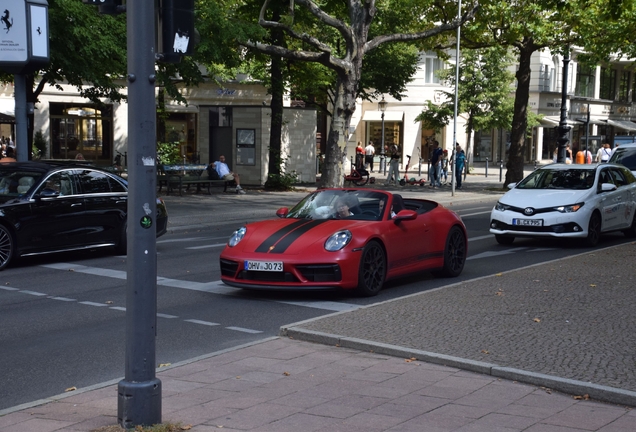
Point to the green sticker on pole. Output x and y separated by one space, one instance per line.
145 222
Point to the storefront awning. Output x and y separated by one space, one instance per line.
7 111
553 121
622 124
393 116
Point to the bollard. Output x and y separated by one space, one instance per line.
486 167
500 170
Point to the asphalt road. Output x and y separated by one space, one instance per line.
63 320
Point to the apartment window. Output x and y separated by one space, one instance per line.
623 87
608 83
432 64
546 78
585 80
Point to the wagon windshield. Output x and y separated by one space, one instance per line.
341 204
554 178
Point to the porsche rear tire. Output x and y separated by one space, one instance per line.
372 270
454 253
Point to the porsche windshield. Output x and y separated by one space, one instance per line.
340 204
558 178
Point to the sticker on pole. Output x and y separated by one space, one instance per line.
145 222
180 43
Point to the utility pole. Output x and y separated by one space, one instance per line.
563 128
139 393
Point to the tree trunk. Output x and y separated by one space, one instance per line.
344 107
514 166
276 105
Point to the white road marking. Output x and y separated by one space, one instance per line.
207 323
480 237
33 293
495 253
89 303
6 288
244 330
207 246
191 239
162 315
216 287
119 308
66 299
475 214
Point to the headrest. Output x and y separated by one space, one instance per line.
26 181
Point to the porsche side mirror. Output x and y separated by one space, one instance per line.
282 212
405 215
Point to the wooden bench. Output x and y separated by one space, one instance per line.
178 176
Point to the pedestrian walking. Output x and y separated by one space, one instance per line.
445 166
394 166
460 163
359 156
604 153
436 165
369 153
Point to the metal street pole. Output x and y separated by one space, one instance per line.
383 156
21 118
563 128
139 393
459 15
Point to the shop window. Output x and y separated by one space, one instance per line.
585 80
82 132
181 128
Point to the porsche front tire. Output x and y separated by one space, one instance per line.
372 270
454 253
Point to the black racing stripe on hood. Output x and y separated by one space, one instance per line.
274 238
282 246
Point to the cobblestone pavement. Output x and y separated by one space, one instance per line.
573 318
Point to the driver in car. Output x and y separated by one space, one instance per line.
342 209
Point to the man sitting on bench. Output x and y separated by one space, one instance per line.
225 174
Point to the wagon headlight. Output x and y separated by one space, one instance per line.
338 240
569 209
501 207
237 236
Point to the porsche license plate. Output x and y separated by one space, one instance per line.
272 266
527 222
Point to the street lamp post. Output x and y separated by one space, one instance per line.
382 107
563 129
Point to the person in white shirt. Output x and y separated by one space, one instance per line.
369 152
604 153
226 174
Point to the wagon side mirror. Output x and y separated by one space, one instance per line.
282 212
405 215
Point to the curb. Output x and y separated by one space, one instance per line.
573 387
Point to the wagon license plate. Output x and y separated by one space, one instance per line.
271 266
528 222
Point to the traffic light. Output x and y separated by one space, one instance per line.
107 7
176 28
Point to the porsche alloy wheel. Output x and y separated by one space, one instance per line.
454 253
7 247
372 270
594 230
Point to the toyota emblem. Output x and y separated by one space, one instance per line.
528 211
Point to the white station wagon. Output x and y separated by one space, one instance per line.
568 201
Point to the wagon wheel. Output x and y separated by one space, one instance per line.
372 270
594 230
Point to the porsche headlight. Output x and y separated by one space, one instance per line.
338 240
501 207
237 236
569 209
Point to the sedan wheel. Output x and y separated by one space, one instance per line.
594 230
454 253
372 270
7 247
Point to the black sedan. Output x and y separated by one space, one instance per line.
50 207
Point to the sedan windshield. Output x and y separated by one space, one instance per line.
340 204
551 178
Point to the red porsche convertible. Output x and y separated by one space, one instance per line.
347 239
